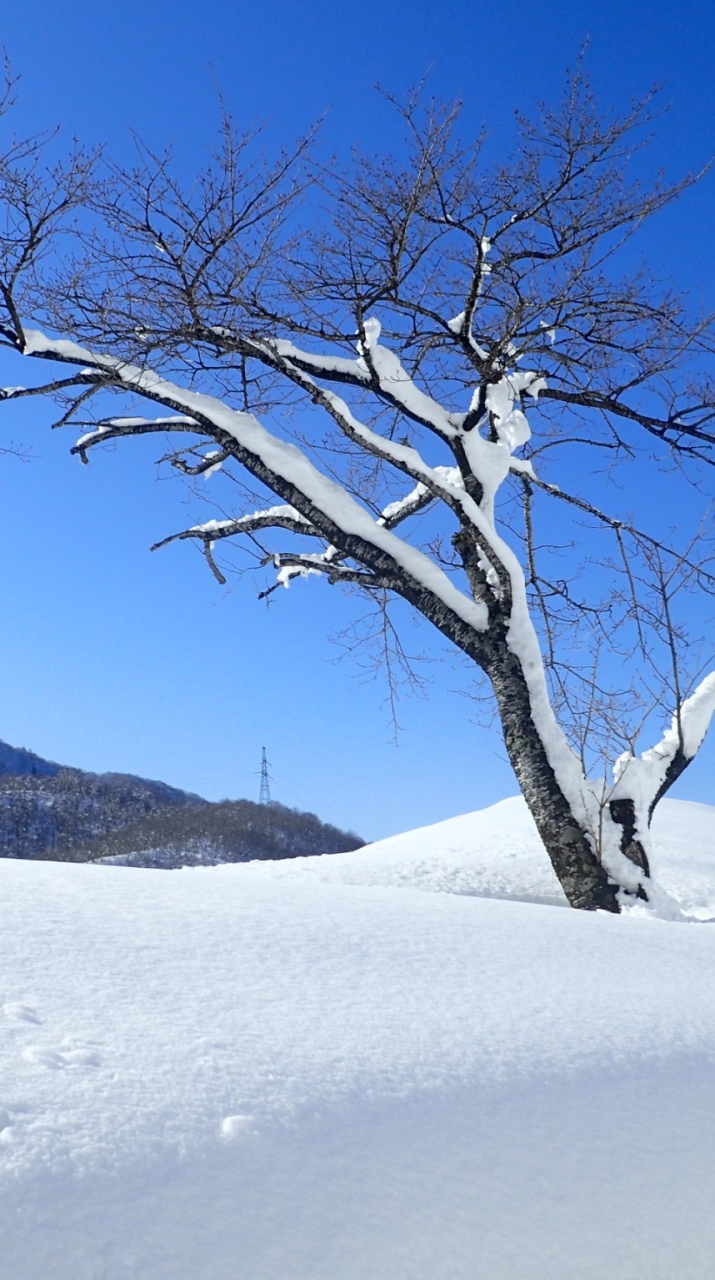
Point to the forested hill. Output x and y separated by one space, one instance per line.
48 811
230 831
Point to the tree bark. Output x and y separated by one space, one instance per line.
583 878
623 812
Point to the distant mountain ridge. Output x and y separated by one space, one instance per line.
49 811
19 762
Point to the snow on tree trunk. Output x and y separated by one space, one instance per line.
583 878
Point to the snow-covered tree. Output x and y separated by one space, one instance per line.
416 369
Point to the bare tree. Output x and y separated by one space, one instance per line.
393 322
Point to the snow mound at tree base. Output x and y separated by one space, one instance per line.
243 1071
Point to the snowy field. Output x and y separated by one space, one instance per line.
410 1062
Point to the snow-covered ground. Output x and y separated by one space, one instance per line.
409 1062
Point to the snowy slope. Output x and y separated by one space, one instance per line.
496 853
321 1071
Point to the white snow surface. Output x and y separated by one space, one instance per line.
408 1062
497 853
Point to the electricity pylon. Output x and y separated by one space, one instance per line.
264 795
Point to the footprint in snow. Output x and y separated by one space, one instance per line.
17 1012
81 1058
43 1058
60 1061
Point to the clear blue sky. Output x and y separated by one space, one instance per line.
116 659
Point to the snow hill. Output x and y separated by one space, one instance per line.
408 1062
496 853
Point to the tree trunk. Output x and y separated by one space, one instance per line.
583 879
623 813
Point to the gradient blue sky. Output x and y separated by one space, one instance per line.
116 659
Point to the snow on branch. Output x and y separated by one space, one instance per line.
331 563
419 498
280 517
693 721
489 461
84 378
402 456
376 368
338 367
110 428
462 324
291 566
212 531
391 379
208 466
284 468
651 774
